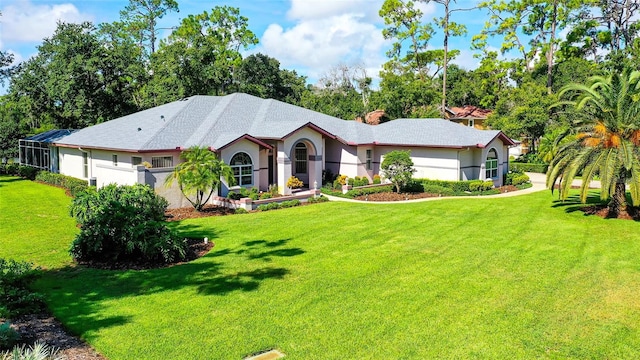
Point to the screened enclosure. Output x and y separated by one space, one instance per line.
35 151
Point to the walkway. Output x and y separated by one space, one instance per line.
538 182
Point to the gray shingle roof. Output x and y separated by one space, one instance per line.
216 120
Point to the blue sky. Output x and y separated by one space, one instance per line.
309 36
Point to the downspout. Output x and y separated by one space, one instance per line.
458 161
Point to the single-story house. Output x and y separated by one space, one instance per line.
267 141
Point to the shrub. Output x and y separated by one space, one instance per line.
456 186
16 296
522 167
374 190
8 336
351 181
339 181
479 185
264 196
273 190
11 169
241 211
520 179
413 186
27 172
294 183
328 177
377 179
124 223
440 190
318 199
397 166
39 351
74 185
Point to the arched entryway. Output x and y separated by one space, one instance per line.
301 167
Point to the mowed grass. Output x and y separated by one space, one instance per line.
34 223
519 277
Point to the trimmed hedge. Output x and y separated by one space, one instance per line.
522 167
24 171
275 205
74 185
357 192
456 186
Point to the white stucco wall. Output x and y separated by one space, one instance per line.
107 173
503 160
341 159
441 164
71 163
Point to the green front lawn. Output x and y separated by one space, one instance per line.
517 277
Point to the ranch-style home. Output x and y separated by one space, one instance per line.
267 141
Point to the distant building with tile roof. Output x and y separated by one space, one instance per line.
468 115
267 141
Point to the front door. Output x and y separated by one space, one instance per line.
301 163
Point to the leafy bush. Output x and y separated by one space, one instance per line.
377 179
275 205
374 190
522 167
456 186
265 196
74 185
480 186
516 178
440 190
318 199
360 181
16 296
241 211
124 223
8 336
273 190
328 177
11 169
397 166
339 181
39 351
413 186
294 183
27 172
351 181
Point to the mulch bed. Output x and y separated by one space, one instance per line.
46 329
191 213
392 196
602 211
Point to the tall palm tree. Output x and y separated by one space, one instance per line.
607 140
200 173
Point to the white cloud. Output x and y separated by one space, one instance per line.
24 21
466 60
320 9
316 45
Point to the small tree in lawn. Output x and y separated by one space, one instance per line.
397 166
199 174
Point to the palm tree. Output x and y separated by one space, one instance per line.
607 140
199 174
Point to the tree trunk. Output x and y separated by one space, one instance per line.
444 62
550 52
618 203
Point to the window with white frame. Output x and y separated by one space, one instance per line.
161 161
369 159
242 169
471 123
301 158
85 164
491 165
114 160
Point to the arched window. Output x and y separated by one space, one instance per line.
491 166
242 169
